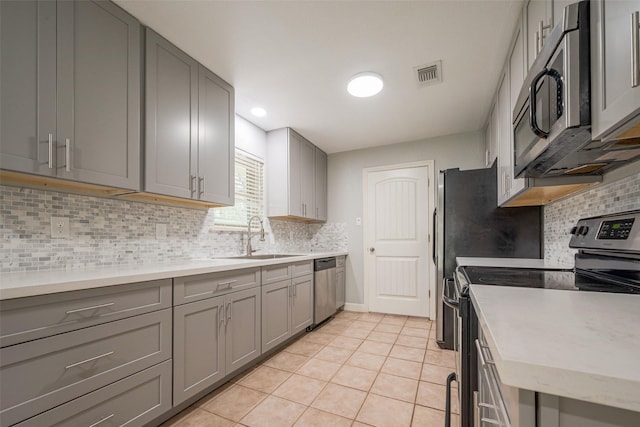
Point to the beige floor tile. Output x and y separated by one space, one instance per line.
407 353
394 319
415 332
423 417
286 361
384 412
316 418
409 341
341 322
374 347
351 315
366 360
265 379
435 374
371 317
355 332
274 411
367 326
300 389
234 403
196 417
318 337
348 343
382 337
319 369
403 368
441 358
351 376
332 329
334 354
395 387
339 400
388 327
434 396
304 348
432 344
359 424
418 322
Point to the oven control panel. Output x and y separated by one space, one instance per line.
609 232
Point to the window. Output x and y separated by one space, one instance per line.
249 198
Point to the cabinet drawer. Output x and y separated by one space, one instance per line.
275 273
41 374
340 261
133 401
202 286
26 319
301 268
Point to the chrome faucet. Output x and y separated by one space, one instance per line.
250 250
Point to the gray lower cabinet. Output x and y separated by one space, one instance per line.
301 303
133 401
189 126
41 374
213 338
70 90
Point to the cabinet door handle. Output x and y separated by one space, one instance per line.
67 154
102 420
540 35
192 185
200 186
91 359
50 151
228 312
221 316
93 307
635 49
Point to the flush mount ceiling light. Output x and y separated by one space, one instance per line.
258 112
363 85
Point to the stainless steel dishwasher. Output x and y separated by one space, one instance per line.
324 289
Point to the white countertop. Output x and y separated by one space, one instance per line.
19 285
581 345
512 263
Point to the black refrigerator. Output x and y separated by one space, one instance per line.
469 223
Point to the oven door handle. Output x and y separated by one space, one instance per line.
451 302
533 123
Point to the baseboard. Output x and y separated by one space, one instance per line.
355 307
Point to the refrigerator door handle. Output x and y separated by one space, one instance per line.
451 302
447 414
434 248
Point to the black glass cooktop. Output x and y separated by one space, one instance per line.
544 279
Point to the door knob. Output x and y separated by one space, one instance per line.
372 250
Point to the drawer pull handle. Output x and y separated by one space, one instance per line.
91 359
93 307
226 284
101 421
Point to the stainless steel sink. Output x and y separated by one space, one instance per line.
265 256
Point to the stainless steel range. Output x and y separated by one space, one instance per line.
608 260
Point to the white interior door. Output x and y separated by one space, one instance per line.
396 241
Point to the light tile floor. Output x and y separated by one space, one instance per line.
359 369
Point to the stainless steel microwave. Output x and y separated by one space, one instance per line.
552 116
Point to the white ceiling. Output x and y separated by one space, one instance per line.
294 58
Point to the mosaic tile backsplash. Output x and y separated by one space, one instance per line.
108 232
559 217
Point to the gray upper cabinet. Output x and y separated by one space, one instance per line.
539 15
616 79
321 184
294 177
76 89
189 127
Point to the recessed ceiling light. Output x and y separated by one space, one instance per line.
363 85
258 112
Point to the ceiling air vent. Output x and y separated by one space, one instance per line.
428 74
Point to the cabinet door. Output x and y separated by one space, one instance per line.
198 347
276 317
302 303
504 146
614 96
491 135
307 178
321 185
171 105
295 200
28 86
99 94
215 139
536 15
242 328
340 287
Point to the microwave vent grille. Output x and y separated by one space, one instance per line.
428 74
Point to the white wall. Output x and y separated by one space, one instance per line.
345 198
